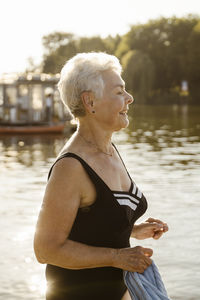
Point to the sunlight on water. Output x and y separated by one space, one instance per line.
36 285
161 149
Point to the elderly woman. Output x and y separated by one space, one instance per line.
91 203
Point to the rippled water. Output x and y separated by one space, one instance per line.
161 149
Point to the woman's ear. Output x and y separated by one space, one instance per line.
88 101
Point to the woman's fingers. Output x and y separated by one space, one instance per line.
147 252
160 229
145 259
146 263
136 259
157 236
164 225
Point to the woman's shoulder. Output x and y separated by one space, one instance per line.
69 174
66 164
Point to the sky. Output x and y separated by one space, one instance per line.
23 23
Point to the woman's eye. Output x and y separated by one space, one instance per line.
119 93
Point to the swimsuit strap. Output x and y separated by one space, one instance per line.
122 161
95 178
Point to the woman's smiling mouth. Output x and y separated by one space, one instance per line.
124 113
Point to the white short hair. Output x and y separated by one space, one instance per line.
83 72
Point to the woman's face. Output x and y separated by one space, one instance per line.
111 109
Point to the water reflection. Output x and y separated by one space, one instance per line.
36 285
154 127
29 149
165 117
174 130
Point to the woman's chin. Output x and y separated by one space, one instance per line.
126 125
122 125
125 122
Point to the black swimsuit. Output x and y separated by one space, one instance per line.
108 222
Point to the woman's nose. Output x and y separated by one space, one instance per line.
129 98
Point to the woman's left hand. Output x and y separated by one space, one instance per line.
151 228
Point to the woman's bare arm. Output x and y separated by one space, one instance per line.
62 199
61 202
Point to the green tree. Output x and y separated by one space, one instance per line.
53 62
139 74
111 43
58 48
173 47
168 47
193 66
53 41
88 44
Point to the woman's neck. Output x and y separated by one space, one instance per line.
95 136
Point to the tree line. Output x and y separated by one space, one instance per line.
157 57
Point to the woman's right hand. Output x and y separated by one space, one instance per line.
135 259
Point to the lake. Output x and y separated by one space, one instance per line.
161 149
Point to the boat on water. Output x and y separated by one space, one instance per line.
36 128
30 103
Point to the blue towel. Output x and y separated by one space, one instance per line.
146 286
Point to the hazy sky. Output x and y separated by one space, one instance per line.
24 22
